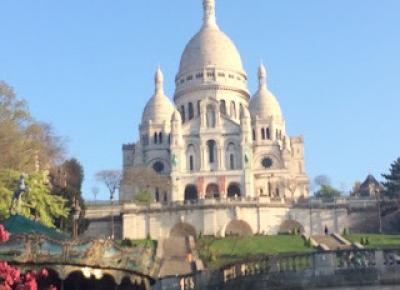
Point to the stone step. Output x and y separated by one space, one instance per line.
331 242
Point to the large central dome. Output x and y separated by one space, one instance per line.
210 47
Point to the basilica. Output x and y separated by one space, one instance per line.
216 139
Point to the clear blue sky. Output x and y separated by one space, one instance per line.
87 67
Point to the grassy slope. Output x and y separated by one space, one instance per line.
376 240
219 252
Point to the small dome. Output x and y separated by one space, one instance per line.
264 104
159 108
210 46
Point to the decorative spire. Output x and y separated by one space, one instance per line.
159 81
209 13
262 76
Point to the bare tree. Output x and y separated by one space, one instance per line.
291 183
95 191
146 178
111 179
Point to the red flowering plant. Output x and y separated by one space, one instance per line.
11 277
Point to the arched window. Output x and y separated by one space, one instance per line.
169 138
191 163
191 112
211 151
231 161
241 110
254 135
230 156
183 113
210 117
263 133
190 153
222 107
268 134
160 137
157 195
233 109
155 138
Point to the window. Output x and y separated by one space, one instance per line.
158 167
182 81
210 117
267 162
232 162
268 134
254 135
199 76
155 138
169 138
222 107
221 75
241 110
183 113
191 112
211 151
233 110
160 138
263 133
191 163
189 78
231 76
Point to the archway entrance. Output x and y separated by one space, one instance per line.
238 228
191 192
183 230
77 281
212 191
234 190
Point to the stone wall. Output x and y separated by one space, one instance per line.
212 217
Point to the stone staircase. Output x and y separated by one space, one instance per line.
332 242
175 257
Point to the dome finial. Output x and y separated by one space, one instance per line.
159 81
262 75
209 13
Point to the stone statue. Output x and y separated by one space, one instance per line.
17 196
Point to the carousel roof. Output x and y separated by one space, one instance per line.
19 225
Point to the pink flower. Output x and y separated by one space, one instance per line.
4 235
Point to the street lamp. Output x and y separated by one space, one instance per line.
112 216
76 211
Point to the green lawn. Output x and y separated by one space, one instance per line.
218 252
376 240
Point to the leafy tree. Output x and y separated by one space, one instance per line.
38 203
67 182
392 183
328 192
25 144
144 197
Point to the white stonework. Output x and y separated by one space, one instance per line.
230 159
222 143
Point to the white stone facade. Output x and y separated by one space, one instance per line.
215 141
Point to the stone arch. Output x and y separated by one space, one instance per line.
191 192
238 228
290 227
53 278
183 230
77 281
212 191
234 190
